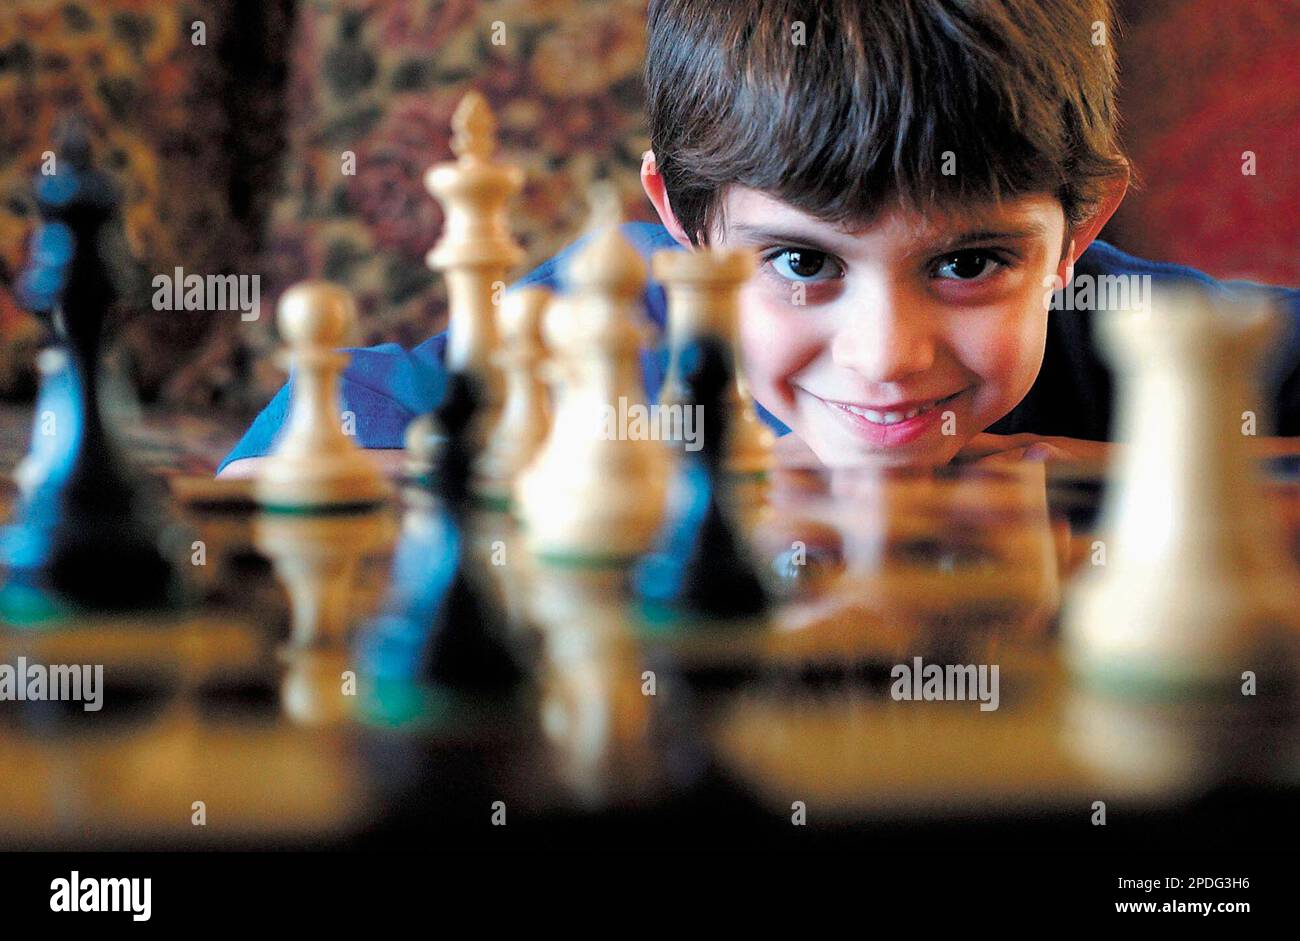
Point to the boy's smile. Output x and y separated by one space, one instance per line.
900 342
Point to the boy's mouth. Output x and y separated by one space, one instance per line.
896 423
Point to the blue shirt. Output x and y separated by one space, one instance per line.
386 387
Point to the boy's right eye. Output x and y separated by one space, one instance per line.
804 264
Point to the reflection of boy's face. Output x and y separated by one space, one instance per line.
846 336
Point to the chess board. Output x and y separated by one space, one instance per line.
634 729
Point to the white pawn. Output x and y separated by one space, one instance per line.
315 464
1195 585
703 291
521 429
591 496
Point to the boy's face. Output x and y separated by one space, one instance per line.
899 343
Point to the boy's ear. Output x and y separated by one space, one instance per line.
1086 232
653 184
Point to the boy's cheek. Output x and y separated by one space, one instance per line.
1007 360
775 347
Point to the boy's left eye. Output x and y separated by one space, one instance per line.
968 265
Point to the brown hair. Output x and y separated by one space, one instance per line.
868 109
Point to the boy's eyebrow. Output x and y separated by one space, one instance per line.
1031 230
777 236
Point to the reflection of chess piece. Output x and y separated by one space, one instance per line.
703 291
315 465
474 254
1178 748
1196 588
596 714
312 688
88 532
317 558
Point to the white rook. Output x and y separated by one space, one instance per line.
1197 586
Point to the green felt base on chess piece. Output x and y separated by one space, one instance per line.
27 607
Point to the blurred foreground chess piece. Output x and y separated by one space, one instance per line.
315 465
441 641
596 492
523 423
1196 587
89 533
474 254
703 565
703 291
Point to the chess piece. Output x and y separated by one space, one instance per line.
1196 587
702 565
441 637
89 534
703 291
521 429
315 465
595 493
474 254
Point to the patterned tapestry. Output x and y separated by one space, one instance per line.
231 152
380 80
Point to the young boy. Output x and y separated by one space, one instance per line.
914 176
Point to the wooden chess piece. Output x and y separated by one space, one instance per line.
315 465
596 492
703 291
89 533
474 254
524 421
441 638
1196 587
703 566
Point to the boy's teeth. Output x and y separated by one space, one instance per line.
887 418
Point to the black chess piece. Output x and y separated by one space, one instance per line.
87 532
441 638
702 565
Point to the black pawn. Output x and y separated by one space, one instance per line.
442 629
702 565
88 532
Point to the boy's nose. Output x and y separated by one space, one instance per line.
884 346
